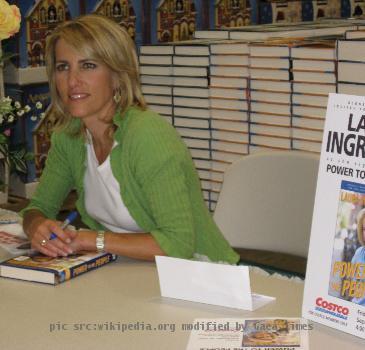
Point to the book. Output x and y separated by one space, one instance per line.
228 82
270 85
313 65
37 267
14 241
272 62
351 72
271 119
355 34
310 100
351 89
155 59
314 50
229 59
351 50
259 333
309 88
334 291
211 34
272 96
191 60
314 76
307 146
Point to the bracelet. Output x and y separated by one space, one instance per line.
100 238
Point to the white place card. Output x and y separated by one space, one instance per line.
209 283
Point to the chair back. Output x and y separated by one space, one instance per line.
266 201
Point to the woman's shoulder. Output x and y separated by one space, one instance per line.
359 255
149 125
146 132
147 118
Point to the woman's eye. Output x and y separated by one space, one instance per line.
61 67
88 65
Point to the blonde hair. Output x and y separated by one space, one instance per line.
360 219
103 40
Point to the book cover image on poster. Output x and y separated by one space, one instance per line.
347 278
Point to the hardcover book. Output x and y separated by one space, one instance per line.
334 292
40 268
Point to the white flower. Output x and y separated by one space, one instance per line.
20 113
7 99
11 118
38 105
27 108
17 105
33 118
42 115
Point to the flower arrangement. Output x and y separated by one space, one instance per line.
9 19
9 25
15 155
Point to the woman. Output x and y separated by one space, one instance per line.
137 187
359 256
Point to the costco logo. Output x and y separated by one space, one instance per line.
331 308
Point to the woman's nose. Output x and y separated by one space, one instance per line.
73 77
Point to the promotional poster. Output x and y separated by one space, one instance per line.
335 280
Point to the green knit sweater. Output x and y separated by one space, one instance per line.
158 183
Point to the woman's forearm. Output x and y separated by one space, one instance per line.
134 245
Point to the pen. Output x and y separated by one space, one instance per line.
70 218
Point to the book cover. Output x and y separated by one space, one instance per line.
40 268
334 292
250 333
348 253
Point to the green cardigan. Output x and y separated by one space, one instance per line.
158 183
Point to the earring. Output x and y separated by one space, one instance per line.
117 96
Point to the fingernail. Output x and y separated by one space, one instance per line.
70 251
68 240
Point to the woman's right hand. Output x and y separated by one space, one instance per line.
39 230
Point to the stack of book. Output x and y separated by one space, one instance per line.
314 77
351 65
229 105
286 30
270 117
157 78
191 105
231 97
175 79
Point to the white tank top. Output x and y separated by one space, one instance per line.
103 201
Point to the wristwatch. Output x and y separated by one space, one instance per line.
100 237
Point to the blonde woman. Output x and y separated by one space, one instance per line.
138 190
359 256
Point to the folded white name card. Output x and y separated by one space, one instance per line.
210 283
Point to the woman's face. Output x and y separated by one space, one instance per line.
85 86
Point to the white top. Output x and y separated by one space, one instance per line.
103 201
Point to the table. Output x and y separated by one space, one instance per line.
39 316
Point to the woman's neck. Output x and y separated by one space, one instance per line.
101 140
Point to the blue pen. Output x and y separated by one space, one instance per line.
70 218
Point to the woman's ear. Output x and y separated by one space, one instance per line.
115 82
